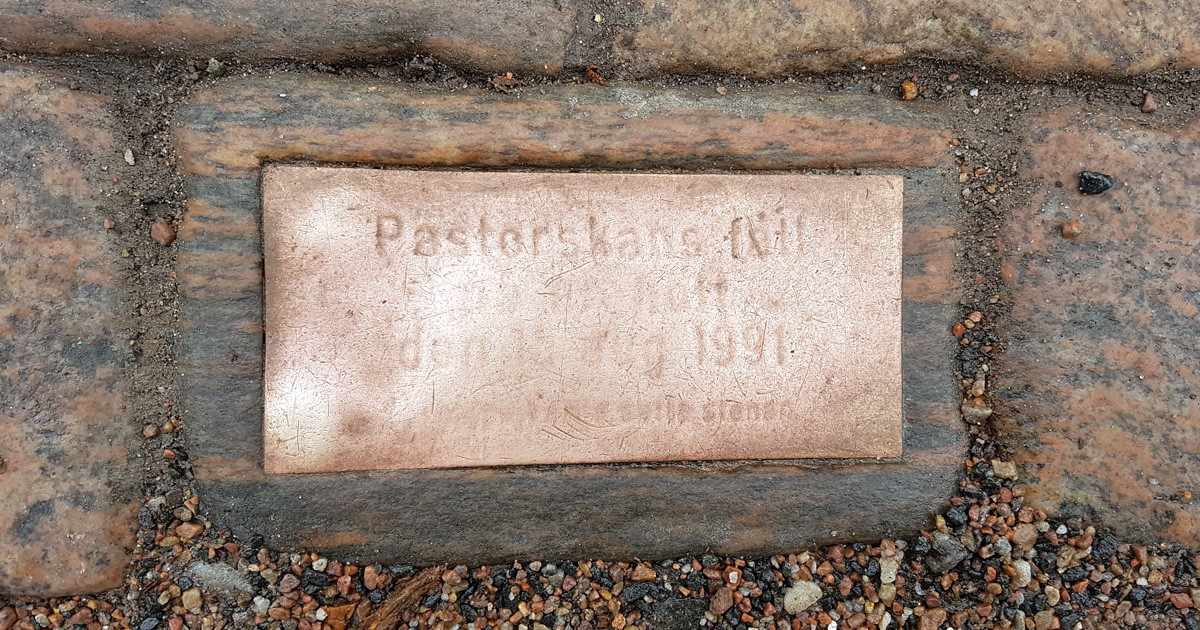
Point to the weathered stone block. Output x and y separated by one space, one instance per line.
758 38
228 133
490 35
1099 385
767 37
66 516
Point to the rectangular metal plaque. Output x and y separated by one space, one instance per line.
420 319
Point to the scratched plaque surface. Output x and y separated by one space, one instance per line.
421 319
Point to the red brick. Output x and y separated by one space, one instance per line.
63 527
1100 379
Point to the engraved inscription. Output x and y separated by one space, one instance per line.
762 235
438 319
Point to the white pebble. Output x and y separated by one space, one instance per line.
975 92
888 567
800 596
129 156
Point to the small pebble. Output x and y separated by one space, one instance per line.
188 531
162 232
1072 229
1149 105
192 600
975 413
1003 469
888 568
908 90
1092 183
800 596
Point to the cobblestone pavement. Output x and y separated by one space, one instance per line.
1066 306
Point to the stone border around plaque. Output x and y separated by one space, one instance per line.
228 133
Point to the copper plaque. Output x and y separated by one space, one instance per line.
420 319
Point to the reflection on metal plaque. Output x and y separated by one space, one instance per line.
419 319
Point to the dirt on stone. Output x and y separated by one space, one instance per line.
1018 568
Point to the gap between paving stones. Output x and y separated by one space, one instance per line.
172 487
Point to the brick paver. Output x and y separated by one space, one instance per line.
1100 385
66 520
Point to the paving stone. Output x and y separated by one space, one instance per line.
66 517
1100 382
490 35
226 134
746 37
767 37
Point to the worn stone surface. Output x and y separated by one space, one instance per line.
1100 382
66 523
495 35
748 37
445 319
766 37
226 134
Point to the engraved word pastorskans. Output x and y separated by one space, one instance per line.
763 234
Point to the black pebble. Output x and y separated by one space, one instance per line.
401 570
314 578
1094 183
636 591
146 517
1105 547
149 623
872 568
957 515
1074 574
